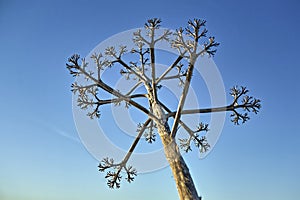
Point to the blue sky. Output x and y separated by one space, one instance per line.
41 156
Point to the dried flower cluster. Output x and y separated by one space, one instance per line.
191 42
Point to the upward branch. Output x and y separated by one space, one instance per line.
183 97
179 58
194 32
151 26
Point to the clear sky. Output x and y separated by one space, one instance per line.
41 155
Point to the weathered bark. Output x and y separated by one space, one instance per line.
184 182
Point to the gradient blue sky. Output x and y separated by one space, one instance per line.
41 156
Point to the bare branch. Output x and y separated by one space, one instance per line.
192 30
178 76
179 58
183 97
133 146
195 31
118 100
151 26
142 53
175 76
199 142
134 87
73 66
247 103
208 47
110 51
138 38
149 134
153 74
164 36
114 177
185 144
87 98
179 43
202 110
75 69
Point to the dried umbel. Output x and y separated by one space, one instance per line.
191 43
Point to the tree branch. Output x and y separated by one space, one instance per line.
190 46
247 103
153 74
183 96
174 77
142 54
134 87
112 52
140 76
179 58
75 69
199 142
116 100
138 38
203 110
164 36
138 137
114 176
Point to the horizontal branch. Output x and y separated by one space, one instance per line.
205 110
255 105
174 77
115 100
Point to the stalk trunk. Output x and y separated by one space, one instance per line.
184 182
